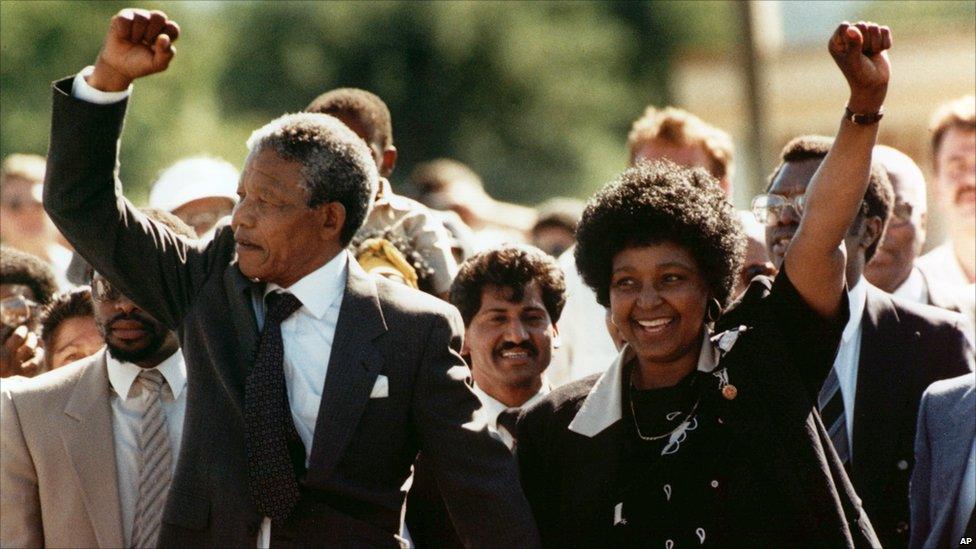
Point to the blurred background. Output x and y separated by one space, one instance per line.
537 97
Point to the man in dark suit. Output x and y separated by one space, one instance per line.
890 351
944 479
311 386
510 299
893 268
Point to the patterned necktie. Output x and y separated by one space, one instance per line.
272 443
155 463
831 404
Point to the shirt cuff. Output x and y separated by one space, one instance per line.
80 89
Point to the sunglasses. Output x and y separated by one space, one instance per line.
16 310
103 291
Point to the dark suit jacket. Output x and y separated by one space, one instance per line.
362 448
942 446
785 485
905 346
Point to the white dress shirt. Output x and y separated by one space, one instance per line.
913 288
128 403
307 336
849 355
491 409
943 266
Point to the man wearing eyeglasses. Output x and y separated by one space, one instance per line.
89 449
893 267
890 350
26 283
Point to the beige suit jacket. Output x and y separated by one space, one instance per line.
58 480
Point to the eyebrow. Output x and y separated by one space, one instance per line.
658 265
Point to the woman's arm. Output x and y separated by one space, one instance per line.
816 258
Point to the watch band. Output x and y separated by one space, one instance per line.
863 119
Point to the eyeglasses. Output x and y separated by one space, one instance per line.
16 310
103 291
901 214
768 208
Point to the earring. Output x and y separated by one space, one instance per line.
713 311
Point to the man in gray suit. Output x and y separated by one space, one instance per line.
943 487
311 386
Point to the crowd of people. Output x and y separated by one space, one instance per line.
298 355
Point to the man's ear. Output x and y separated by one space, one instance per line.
870 232
333 216
389 161
557 341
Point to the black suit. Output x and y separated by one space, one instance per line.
905 346
362 447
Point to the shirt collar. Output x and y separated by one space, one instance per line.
856 298
913 288
123 374
492 408
604 404
319 289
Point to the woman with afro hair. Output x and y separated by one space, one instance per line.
705 430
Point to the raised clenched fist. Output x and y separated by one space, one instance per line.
139 43
860 52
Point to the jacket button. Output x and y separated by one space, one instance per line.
714 484
902 527
902 465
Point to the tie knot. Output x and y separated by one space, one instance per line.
151 379
281 305
508 418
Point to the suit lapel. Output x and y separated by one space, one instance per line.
354 365
239 288
90 443
882 357
957 441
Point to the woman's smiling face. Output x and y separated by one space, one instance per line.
658 300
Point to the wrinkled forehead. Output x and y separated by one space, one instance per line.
511 297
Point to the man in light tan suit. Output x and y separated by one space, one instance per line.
87 451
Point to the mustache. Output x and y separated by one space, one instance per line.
962 190
526 346
138 317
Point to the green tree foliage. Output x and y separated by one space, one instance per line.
536 96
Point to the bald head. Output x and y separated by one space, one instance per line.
905 234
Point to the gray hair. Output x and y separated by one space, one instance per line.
336 165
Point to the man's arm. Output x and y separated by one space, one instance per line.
20 504
815 259
475 472
82 193
920 485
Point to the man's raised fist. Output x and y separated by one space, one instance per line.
859 51
139 43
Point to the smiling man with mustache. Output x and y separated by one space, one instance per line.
510 299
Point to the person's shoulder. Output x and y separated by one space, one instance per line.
397 298
53 384
564 400
950 390
921 316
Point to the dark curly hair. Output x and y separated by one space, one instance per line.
17 267
75 303
510 266
879 196
365 107
657 202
